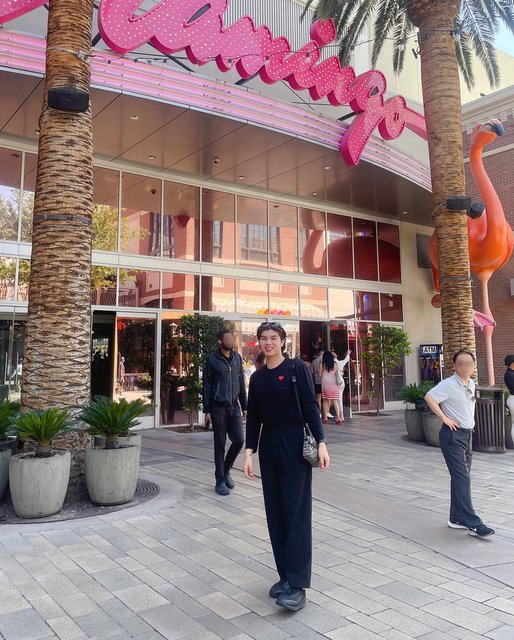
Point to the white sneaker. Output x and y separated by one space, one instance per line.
456 525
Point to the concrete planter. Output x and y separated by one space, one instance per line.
111 474
414 425
431 428
5 456
135 439
39 485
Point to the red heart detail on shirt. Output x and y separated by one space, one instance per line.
280 378
12 9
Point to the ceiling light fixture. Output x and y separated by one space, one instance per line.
151 157
134 117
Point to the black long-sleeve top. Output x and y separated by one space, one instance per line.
272 402
509 380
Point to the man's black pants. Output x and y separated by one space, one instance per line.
456 447
226 421
287 488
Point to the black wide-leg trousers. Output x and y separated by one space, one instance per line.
287 487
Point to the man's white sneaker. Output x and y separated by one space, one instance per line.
456 525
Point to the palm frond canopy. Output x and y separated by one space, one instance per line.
476 28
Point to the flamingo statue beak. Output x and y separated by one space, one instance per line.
496 127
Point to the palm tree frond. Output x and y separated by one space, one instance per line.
481 31
463 51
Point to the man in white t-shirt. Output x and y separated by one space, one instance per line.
453 401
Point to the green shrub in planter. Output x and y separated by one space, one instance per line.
112 419
415 394
8 411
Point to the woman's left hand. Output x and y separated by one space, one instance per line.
324 458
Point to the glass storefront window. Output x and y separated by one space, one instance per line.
140 232
367 306
391 307
23 280
10 176
340 252
7 278
252 297
27 205
341 303
389 252
12 344
180 291
252 232
283 237
283 299
181 221
103 284
218 227
171 393
218 294
368 380
313 302
365 248
105 211
312 242
139 289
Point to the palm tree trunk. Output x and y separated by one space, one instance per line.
441 95
56 368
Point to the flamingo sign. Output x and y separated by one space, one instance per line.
197 28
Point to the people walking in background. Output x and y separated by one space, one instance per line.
224 398
331 380
341 365
453 401
316 374
509 382
260 361
275 426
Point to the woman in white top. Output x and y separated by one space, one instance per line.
341 365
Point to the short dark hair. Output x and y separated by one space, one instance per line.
271 326
223 332
509 360
460 352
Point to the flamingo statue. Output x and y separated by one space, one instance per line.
490 238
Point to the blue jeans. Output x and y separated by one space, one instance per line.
457 451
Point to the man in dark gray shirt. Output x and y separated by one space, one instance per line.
453 401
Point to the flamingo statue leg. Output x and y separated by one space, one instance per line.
489 328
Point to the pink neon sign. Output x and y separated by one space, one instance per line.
196 27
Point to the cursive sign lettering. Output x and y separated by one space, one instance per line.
196 27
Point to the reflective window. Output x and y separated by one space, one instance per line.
103 284
365 247
218 227
283 299
180 291
181 221
12 346
139 289
340 303
10 175
313 302
369 383
389 252
340 253
252 297
366 306
312 242
27 205
140 215
105 212
283 237
7 278
218 294
252 232
23 280
172 393
391 307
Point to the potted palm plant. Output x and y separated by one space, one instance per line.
8 411
39 478
414 395
111 471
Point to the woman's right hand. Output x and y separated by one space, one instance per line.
248 467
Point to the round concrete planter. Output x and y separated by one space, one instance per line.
5 456
39 485
135 439
414 425
431 428
111 474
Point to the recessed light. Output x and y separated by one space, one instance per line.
134 117
241 177
405 213
314 193
151 157
37 131
327 167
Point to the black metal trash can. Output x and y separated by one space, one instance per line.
489 434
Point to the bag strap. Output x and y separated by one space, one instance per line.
295 389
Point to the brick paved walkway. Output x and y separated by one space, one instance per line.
192 565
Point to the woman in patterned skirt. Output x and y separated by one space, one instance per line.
329 387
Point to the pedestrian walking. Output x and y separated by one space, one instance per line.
331 380
275 426
316 375
341 365
224 404
509 383
453 401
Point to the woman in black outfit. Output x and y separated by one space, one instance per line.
275 425
509 382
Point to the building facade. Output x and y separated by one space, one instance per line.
221 195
